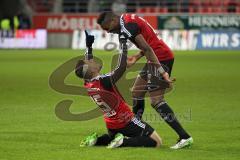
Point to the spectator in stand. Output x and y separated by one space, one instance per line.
172 5
119 7
24 21
184 6
232 6
93 6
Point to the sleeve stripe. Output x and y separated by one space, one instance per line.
123 27
119 61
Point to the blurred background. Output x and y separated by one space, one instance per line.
183 24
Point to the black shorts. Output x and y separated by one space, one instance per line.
134 128
155 81
167 65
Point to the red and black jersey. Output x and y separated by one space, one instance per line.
132 25
117 113
104 93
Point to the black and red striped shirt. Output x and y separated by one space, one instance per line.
132 25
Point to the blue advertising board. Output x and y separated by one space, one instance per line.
218 40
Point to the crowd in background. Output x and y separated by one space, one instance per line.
18 13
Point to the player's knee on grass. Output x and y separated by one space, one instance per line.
156 138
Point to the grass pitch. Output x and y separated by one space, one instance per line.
206 99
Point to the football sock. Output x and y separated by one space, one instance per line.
141 141
168 115
138 107
103 140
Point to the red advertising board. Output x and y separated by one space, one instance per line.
70 22
65 23
25 33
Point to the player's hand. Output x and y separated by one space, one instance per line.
167 78
89 39
131 60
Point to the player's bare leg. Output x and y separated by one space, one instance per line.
138 93
165 111
156 138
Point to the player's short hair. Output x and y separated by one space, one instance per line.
81 69
105 17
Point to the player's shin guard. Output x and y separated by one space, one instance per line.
168 115
141 141
138 107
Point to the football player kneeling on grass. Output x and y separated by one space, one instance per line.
124 129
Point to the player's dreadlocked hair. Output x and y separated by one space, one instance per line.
105 17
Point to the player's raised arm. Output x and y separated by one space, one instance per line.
89 42
122 60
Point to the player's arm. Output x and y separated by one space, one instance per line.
108 80
89 42
146 50
122 60
88 53
132 30
131 60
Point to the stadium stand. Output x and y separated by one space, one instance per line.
142 6
41 5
